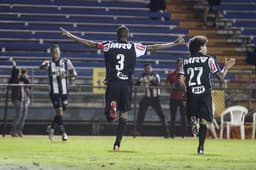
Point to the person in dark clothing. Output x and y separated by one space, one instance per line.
208 9
20 96
120 60
177 99
197 69
150 80
157 5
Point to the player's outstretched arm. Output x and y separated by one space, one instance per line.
83 41
227 65
179 41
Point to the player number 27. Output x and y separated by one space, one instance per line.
195 72
120 62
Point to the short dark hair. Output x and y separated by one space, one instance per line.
23 71
146 65
54 46
122 32
179 60
196 42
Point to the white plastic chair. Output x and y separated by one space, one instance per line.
253 125
237 115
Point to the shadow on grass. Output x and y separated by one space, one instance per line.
122 151
58 142
206 155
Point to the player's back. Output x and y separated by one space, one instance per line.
197 70
120 60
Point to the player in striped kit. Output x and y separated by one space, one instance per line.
59 70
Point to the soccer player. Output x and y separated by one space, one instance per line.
120 59
59 70
197 69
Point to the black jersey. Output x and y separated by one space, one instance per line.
120 59
197 70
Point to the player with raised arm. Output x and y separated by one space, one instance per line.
197 69
120 59
59 70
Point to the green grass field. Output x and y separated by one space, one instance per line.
37 153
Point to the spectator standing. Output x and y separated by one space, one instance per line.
177 99
20 96
150 80
210 8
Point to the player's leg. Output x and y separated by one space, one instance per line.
56 102
111 102
193 112
202 136
123 107
143 106
64 103
205 117
120 130
156 105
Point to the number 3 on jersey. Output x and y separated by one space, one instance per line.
195 72
120 62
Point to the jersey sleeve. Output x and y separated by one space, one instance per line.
103 45
140 49
71 67
212 65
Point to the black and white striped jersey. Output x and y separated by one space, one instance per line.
58 84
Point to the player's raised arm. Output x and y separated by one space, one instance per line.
227 65
83 41
179 41
44 65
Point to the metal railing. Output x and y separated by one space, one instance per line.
241 94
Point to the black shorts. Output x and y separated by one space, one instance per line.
119 91
200 106
59 100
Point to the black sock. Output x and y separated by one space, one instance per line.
54 122
166 132
62 129
120 131
60 124
202 134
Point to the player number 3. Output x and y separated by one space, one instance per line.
120 62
